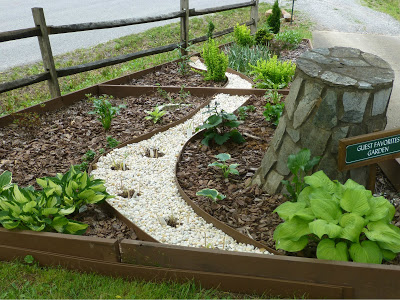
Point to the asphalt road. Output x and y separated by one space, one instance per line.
16 14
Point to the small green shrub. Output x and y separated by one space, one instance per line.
220 127
221 163
274 20
290 38
346 221
273 109
210 30
263 37
299 165
104 110
215 60
212 194
155 115
272 73
242 35
241 56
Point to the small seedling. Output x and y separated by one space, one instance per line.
226 169
242 111
212 194
104 110
111 142
29 259
155 115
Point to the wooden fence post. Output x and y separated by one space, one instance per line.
185 26
45 49
254 17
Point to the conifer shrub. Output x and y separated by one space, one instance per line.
274 20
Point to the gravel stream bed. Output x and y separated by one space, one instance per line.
156 200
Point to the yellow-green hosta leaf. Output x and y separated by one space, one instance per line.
5 180
355 201
51 202
98 188
74 227
67 211
322 227
18 196
86 194
95 198
49 191
292 229
380 209
304 195
386 235
351 184
327 249
320 180
69 189
83 181
36 227
292 246
10 224
28 207
324 206
26 219
366 252
352 225
42 182
388 255
49 211
57 187
59 223
288 209
4 215
68 201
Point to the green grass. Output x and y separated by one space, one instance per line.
390 7
33 282
24 97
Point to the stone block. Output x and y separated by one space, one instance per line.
273 182
309 67
294 134
360 175
312 93
345 52
328 164
381 99
280 130
354 104
375 61
290 102
314 138
288 147
323 51
377 124
338 134
337 79
326 116
267 162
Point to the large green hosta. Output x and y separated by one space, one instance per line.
346 219
46 209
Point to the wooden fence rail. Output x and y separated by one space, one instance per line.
51 74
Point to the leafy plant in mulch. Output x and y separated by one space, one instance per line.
242 111
242 35
346 221
273 109
225 168
104 110
46 209
215 60
213 194
274 20
111 142
155 115
272 73
220 127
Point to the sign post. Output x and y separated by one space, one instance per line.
369 149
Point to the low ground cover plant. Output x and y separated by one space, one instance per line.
242 35
242 111
104 110
225 168
46 209
215 60
272 73
220 127
155 115
290 38
346 221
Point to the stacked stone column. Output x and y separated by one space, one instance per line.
337 93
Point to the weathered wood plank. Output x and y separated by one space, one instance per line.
200 12
15 84
254 17
114 60
19 34
113 24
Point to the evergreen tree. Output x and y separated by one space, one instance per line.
274 20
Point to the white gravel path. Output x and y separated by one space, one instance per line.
344 16
157 197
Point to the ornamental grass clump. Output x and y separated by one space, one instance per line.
215 60
272 73
347 222
241 56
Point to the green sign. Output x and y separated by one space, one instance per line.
372 149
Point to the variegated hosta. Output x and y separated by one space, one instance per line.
347 220
45 210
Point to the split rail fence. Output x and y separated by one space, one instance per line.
51 74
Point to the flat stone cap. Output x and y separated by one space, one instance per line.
346 67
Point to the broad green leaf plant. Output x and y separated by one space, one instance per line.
213 194
46 209
225 168
345 219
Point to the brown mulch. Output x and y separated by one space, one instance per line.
170 75
64 136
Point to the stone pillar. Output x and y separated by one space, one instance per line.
337 93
